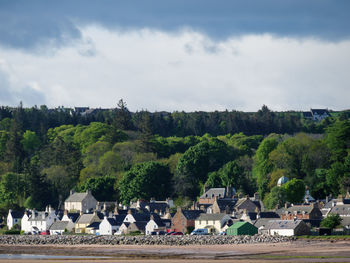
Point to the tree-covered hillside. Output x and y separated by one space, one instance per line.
121 155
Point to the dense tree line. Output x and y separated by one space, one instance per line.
122 156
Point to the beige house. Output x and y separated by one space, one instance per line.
85 220
80 202
214 222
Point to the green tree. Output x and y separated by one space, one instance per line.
277 197
30 142
262 165
12 189
338 139
294 190
195 164
145 180
331 221
103 188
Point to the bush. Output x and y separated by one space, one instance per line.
12 232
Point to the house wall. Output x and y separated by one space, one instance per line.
106 228
216 224
150 227
24 224
282 232
180 223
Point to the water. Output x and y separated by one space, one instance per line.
35 256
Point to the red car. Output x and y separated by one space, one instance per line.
177 234
45 233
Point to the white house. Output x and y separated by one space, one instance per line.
108 226
80 202
287 228
14 218
156 223
39 221
214 222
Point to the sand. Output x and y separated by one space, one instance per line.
298 251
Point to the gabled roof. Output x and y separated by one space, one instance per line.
247 204
87 218
307 114
39 216
59 225
119 218
16 214
283 224
240 224
73 216
112 221
141 225
215 217
300 208
191 214
94 225
226 202
320 111
141 216
341 210
77 197
212 192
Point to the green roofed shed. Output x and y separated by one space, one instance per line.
241 228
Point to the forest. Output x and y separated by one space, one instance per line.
122 155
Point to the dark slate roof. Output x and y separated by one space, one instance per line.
160 206
59 225
141 225
341 210
39 216
210 217
248 204
262 222
226 202
112 221
94 225
283 224
17 214
269 214
76 197
191 214
141 216
320 111
119 218
212 192
73 216
300 208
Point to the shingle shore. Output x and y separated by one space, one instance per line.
139 240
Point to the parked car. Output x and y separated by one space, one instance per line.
177 234
44 233
200 231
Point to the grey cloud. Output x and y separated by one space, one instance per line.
28 24
6 97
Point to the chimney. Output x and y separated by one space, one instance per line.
340 200
71 191
151 217
152 200
129 212
65 212
285 205
327 199
105 207
116 211
47 209
88 191
179 209
247 197
256 196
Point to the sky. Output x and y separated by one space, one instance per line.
167 55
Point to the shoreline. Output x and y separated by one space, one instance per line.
297 251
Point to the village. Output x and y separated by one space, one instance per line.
218 211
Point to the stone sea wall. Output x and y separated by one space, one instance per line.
139 240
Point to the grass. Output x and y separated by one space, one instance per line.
332 237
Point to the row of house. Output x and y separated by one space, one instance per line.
218 210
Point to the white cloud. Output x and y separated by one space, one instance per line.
186 71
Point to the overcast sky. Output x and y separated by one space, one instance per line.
172 55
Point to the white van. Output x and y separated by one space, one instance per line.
200 231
